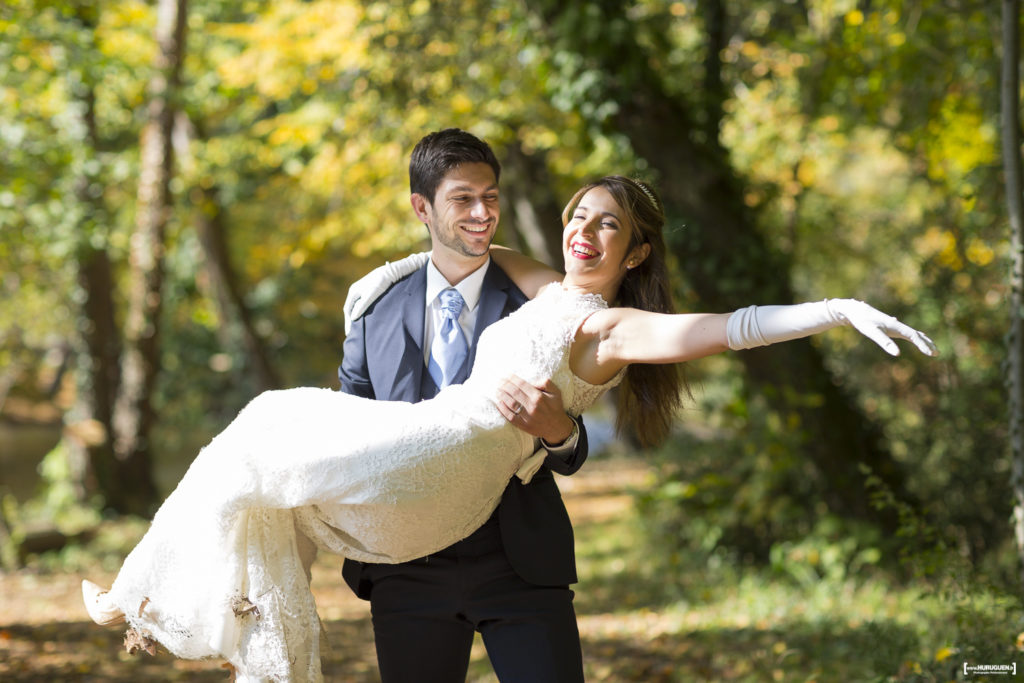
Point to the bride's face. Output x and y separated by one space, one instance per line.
596 242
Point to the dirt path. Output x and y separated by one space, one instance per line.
45 635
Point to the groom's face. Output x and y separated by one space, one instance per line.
464 213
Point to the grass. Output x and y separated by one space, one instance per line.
643 615
703 617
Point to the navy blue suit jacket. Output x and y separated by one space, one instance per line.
383 359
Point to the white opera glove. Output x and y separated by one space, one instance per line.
371 286
762 325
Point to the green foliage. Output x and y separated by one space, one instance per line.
693 517
733 479
865 135
55 508
834 550
57 497
827 608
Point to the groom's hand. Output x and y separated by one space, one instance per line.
537 410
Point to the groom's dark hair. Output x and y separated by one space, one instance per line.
439 152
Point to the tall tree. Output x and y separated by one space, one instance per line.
90 446
528 186
133 411
726 258
236 328
1010 96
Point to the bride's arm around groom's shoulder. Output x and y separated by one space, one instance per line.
529 274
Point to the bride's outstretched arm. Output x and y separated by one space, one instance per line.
616 337
530 275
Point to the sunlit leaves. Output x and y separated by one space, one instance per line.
294 47
338 92
125 31
962 138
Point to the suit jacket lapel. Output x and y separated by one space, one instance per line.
414 308
405 343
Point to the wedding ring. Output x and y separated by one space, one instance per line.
518 408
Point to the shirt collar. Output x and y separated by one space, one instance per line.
469 287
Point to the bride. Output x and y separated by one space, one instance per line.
224 568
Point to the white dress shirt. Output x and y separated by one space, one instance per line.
469 287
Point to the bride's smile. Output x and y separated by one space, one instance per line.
596 244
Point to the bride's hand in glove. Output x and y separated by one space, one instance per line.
763 325
880 327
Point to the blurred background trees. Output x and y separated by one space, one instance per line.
804 149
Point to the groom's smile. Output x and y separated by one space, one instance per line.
463 216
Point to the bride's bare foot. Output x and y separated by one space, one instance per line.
98 605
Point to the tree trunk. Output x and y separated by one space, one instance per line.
224 282
714 88
725 257
1010 97
90 449
88 428
133 412
534 206
236 318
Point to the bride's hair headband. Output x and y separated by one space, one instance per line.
647 191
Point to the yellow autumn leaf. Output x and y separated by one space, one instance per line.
912 667
461 104
806 172
979 253
949 256
829 123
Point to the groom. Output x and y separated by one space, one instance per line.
510 579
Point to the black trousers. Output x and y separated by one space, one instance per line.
425 613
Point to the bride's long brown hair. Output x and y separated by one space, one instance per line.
650 394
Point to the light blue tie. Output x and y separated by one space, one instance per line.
449 349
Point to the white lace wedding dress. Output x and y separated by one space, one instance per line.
223 569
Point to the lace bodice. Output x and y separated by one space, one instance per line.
534 343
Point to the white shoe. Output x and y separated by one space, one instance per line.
98 605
